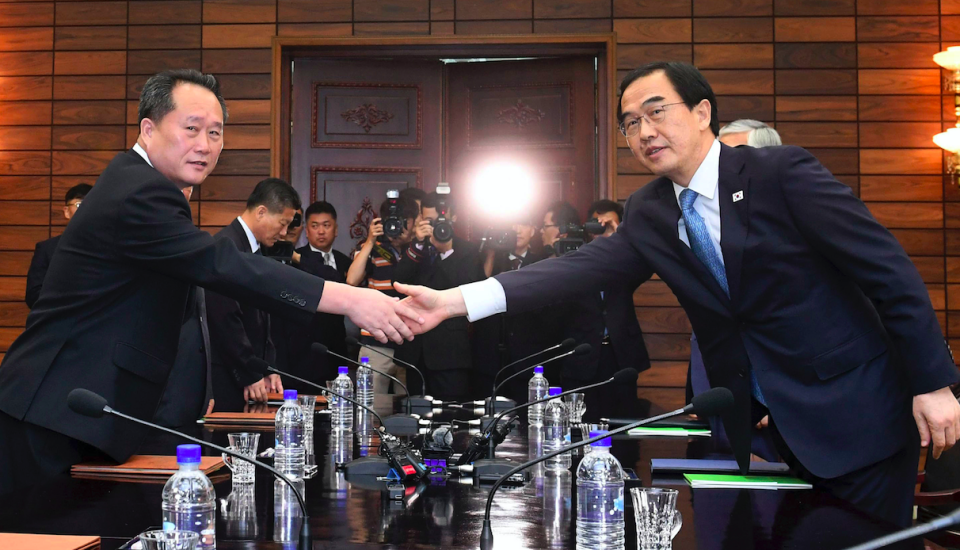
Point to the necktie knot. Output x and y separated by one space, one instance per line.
687 198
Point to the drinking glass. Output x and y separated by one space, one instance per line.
246 444
308 404
169 540
658 519
575 406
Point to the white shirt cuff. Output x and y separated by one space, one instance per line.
483 299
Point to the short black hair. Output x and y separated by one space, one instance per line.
603 206
77 192
320 207
564 213
432 200
156 98
687 80
275 194
408 208
413 193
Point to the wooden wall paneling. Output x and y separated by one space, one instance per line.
571 9
13 289
730 108
236 61
898 29
164 12
654 293
36 14
24 188
812 108
654 8
815 29
24 138
26 63
89 163
220 213
467 10
22 237
911 215
150 62
14 88
88 137
901 161
444 28
838 161
898 134
673 347
89 87
95 62
90 38
818 134
669 320
315 30
627 184
740 82
239 11
661 374
930 268
248 111
16 113
13 314
816 55
25 213
245 86
890 108
631 56
899 81
228 188
647 31
567 26
246 136
896 55
237 36
320 11
816 81
14 263
59 185
929 242
19 39
25 163
901 188
814 7
391 10
733 56
482 27
91 13
733 29
157 37
243 163
895 7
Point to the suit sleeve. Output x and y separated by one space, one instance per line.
603 263
155 230
839 226
407 270
38 269
232 347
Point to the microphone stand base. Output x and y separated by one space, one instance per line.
488 470
402 424
367 466
500 405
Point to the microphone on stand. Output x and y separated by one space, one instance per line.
93 405
582 349
505 403
396 455
415 401
938 524
403 424
491 467
709 403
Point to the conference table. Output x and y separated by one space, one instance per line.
356 513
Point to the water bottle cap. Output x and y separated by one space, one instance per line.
343 370
364 359
289 394
555 390
188 454
605 442
538 370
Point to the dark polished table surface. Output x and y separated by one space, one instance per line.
355 513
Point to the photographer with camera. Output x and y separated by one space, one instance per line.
440 260
559 216
373 265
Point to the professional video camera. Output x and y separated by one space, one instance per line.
442 226
282 251
499 239
576 235
394 223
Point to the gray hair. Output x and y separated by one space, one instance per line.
760 135
156 99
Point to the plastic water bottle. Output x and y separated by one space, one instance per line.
189 501
365 382
536 390
556 431
342 419
290 454
600 498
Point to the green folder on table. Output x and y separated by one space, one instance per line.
670 431
716 481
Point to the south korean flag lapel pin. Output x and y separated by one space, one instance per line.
738 196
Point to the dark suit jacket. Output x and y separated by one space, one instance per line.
38 268
446 347
240 343
824 305
293 340
190 385
114 300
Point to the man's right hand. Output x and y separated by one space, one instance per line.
423 229
384 317
375 230
256 392
433 306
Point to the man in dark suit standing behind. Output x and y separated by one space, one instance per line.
807 309
109 316
45 249
239 331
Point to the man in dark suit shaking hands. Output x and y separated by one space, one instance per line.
803 304
109 315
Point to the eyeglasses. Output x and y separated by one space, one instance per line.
75 204
654 115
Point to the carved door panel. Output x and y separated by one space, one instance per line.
537 113
360 128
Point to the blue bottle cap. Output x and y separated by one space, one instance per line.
605 442
538 370
364 359
289 394
555 390
188 454
343 370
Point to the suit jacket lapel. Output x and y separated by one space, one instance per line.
241 240
734 216
667 215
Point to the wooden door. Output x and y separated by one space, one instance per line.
540 114
361 127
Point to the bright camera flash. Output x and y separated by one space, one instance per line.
503 190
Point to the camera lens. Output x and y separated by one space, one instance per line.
442 231
392 227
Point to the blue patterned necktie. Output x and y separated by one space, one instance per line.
703 249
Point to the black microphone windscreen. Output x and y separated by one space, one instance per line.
626 376
318 348
583 349
86 402
352 341
712 402
568 344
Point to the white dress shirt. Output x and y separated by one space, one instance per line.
254 245
139 150
328 258
486 298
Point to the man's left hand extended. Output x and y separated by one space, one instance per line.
938 419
